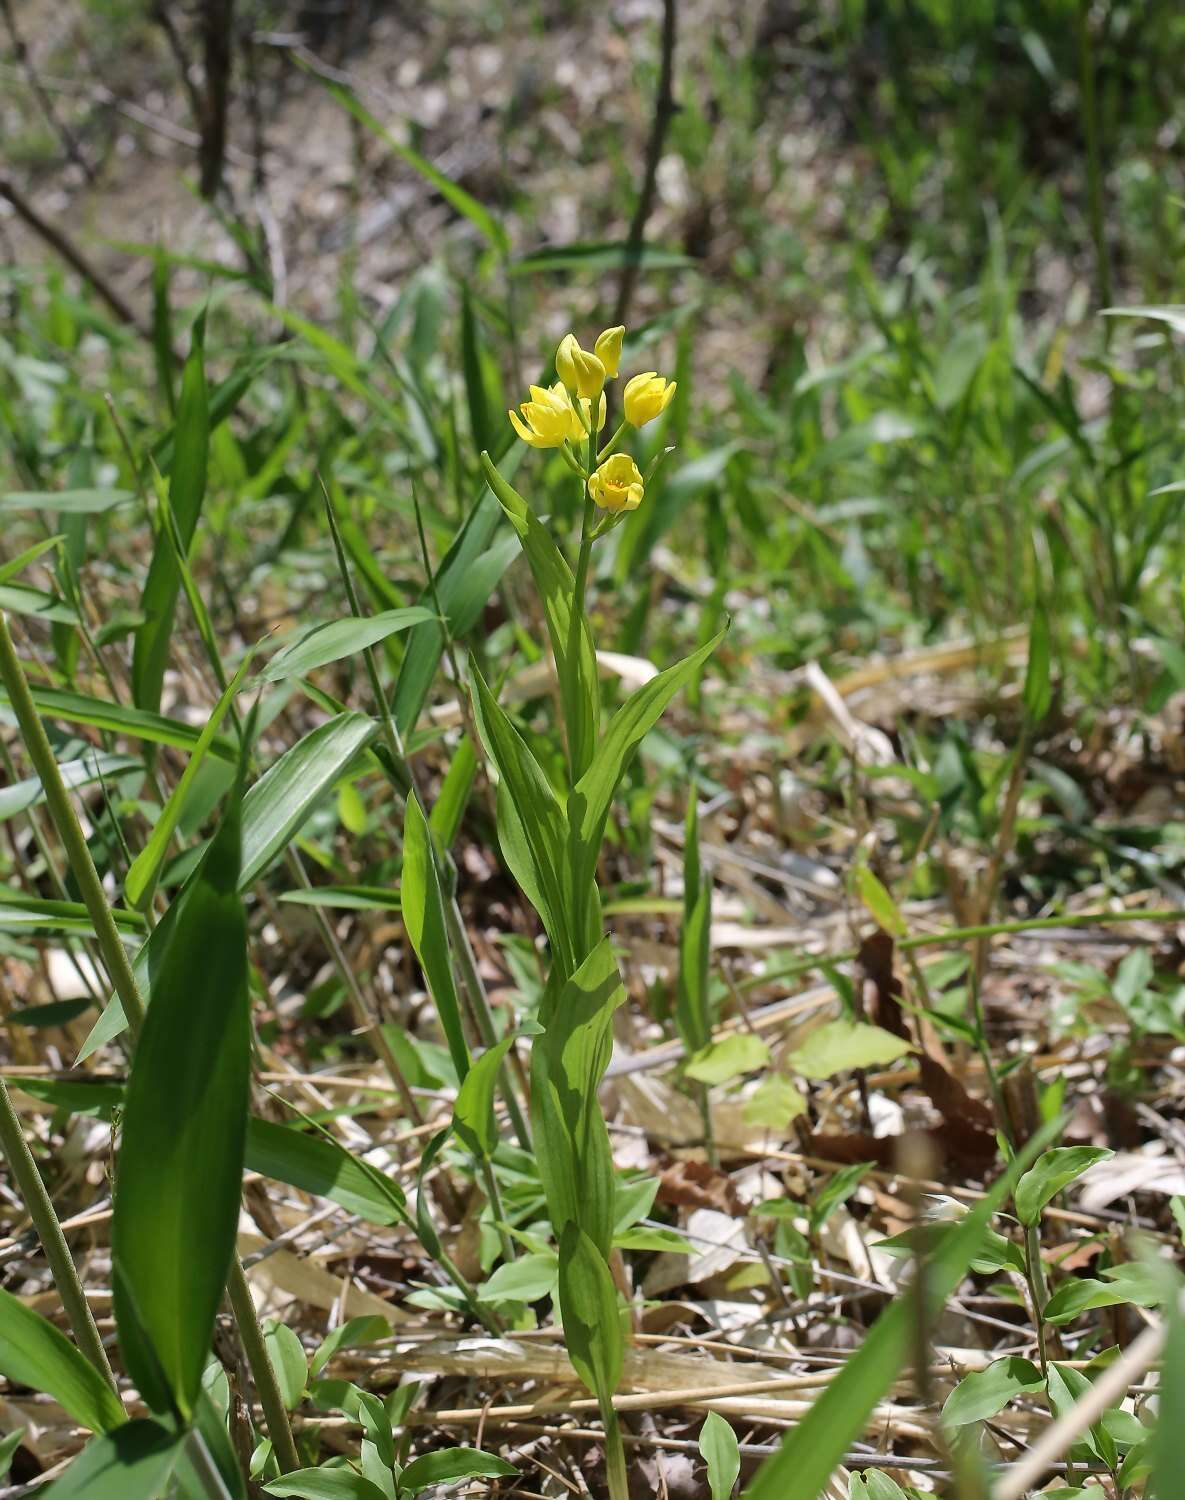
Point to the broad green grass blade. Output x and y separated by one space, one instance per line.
180 1167
187 489
273 811
448 1465
423 916
803 1465
480 423
137 724
314 1165
132 1463
66 502
34 1353
29 556
19 911
280 801
580 692
97 766
146 867
344 897
325 1484
36 605
330 642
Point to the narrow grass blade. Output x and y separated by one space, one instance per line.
187 489
146 867
809 1454
423 916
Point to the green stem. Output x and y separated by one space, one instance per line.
275 1413
1090 126
49 1231
1035 1275
37 746
619 1488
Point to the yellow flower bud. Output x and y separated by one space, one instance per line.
608 349
579 370
617 484
548 418
646 397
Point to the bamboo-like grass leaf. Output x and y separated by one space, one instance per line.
422 905
281 800
132 1463
137 724
96 765
476 394
802 1466
272 812
325 1484
187 489
180 1167
81 502
576 661
315 1165
34 1353
467 576
331 641
142 877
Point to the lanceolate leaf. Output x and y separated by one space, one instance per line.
138 724
692 1009
473 1114
575 658
1053 1172
588 806
338 638
423 916
187 489
567 1126
34 1353
722 1454
592 1321
530 822
447 1465
180 1167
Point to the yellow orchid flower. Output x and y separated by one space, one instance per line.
608 349
547 418
617 484
646 397
579 370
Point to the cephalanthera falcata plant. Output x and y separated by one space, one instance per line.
552 842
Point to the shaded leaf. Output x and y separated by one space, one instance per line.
34 1353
